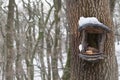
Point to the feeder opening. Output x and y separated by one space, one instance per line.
92 40
93 43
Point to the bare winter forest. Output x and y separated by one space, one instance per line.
35 39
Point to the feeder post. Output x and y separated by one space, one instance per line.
102 42
83 41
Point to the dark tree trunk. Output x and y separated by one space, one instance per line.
81 70
9 41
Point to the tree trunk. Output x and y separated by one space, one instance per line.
9 41
66 74
54 57
48 55
81 70
18 62
112 5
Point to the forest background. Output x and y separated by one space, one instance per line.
39 39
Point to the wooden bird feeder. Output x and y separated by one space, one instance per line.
93 40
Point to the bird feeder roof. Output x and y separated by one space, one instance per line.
92 23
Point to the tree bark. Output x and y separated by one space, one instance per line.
54 57
18 61
9 41
81 70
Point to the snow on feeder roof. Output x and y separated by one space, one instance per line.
92 23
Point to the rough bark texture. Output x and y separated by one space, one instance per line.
80 70
9 41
